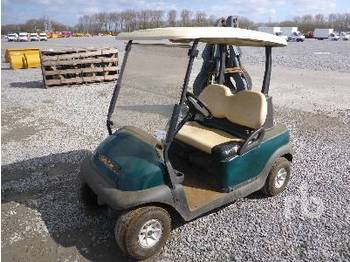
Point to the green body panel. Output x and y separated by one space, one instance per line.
138 162
249 165
139 166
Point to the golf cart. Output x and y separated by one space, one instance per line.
171 152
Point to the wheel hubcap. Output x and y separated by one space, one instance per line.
150 233
280 177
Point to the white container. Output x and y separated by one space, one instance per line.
322 33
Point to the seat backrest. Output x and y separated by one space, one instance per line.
245 108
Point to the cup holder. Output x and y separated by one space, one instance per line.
179 177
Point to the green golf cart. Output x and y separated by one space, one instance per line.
171 152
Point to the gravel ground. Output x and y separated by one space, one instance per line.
311 54
47 132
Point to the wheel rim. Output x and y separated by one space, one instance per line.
150 233
281 177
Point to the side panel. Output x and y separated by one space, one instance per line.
138 164
247 166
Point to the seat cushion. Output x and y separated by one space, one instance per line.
245 108
203 138
214 96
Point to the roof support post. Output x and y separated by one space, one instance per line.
174 120
117 88
267 74
192 53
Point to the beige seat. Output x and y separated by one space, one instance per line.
203 138
245 108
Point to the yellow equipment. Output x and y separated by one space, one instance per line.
55 35
23 58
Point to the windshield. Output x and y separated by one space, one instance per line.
23 34
151 86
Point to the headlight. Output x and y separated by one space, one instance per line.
109 164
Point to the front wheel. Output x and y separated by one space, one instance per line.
278 177
142 232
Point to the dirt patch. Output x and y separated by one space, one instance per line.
10 116
20 124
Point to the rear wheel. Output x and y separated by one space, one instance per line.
142 232
278 177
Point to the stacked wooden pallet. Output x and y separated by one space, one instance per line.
78 66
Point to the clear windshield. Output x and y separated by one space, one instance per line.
151 86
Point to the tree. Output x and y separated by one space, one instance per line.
144 17
101 22
129 18
185 17
244 22
332 19
200 19
156 18
115 19
172 17
287 23
319 19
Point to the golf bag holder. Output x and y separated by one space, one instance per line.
222 65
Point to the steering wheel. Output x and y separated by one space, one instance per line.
196 105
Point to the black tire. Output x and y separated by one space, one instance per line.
88 196
129 225
271 187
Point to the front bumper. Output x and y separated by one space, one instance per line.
117 199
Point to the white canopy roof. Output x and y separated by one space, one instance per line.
211 35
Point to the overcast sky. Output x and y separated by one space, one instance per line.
68 11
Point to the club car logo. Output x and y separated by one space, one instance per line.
109 164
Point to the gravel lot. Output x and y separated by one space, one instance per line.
311 54
47 132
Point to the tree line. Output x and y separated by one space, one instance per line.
35 25
130 20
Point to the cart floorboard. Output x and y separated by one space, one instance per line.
198 194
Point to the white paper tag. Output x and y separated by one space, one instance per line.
159 134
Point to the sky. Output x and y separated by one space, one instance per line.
68 11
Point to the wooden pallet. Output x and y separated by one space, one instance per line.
78 66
